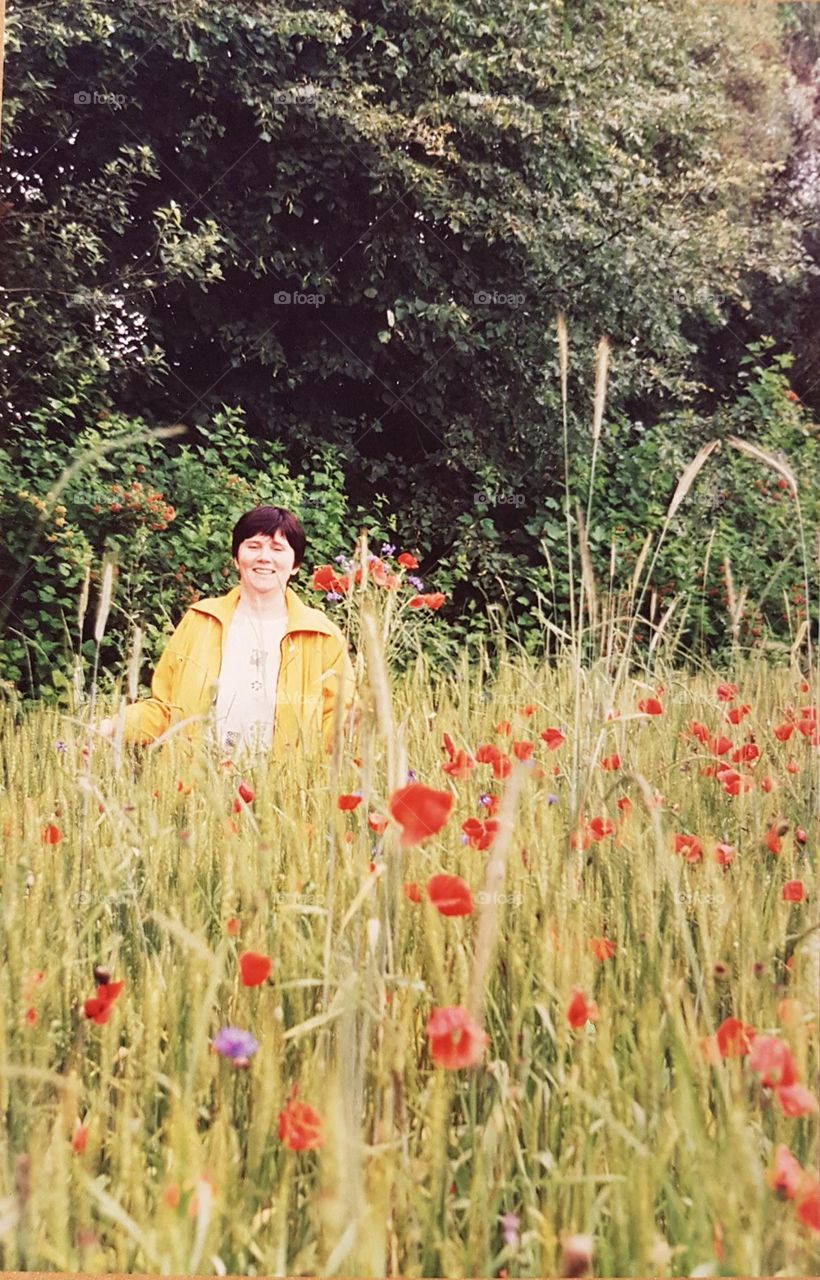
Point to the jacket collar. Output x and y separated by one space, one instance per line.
301 617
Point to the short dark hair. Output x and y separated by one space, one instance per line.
270 520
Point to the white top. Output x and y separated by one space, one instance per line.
246 696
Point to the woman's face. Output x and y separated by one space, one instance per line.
265 564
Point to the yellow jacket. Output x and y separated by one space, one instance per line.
315 669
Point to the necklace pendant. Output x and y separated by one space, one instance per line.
258 657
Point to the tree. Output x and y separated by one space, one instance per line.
357 221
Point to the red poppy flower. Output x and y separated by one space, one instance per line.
793 891
698 731
233 926
522 750
254 968
734 783
324 578
300 1127
786 1174
795 1100
79 1141
724 854
772 840
766 784
481 834
487 753
783 731
720 745
419 811
600 828
456 1039
407 561
459 767
745 754
690 847
580 1010
433 600
527 710
411 892
553 738
725 692
501 765
376 822
449 746
378 572
737 714
245 792
625 805
52 834
98 1008
734 1038
612 762
347 802
602 948
808 1204
650 707
503 727
450 895
772 1058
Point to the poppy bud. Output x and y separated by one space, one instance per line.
576 1257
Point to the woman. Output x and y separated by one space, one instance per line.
264 670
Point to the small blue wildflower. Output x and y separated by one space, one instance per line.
388 549
415 582
412 776
61 746
464 839
552 799
333 595
485 798
235 1044
340 559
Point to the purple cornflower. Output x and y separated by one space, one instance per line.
235 1044
61 746
552 799
465 839
333 595
415 582
485 798
412 776
388 549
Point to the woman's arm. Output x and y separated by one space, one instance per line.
340 683
148 718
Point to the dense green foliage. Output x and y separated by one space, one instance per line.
350 227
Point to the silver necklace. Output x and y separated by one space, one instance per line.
259 656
